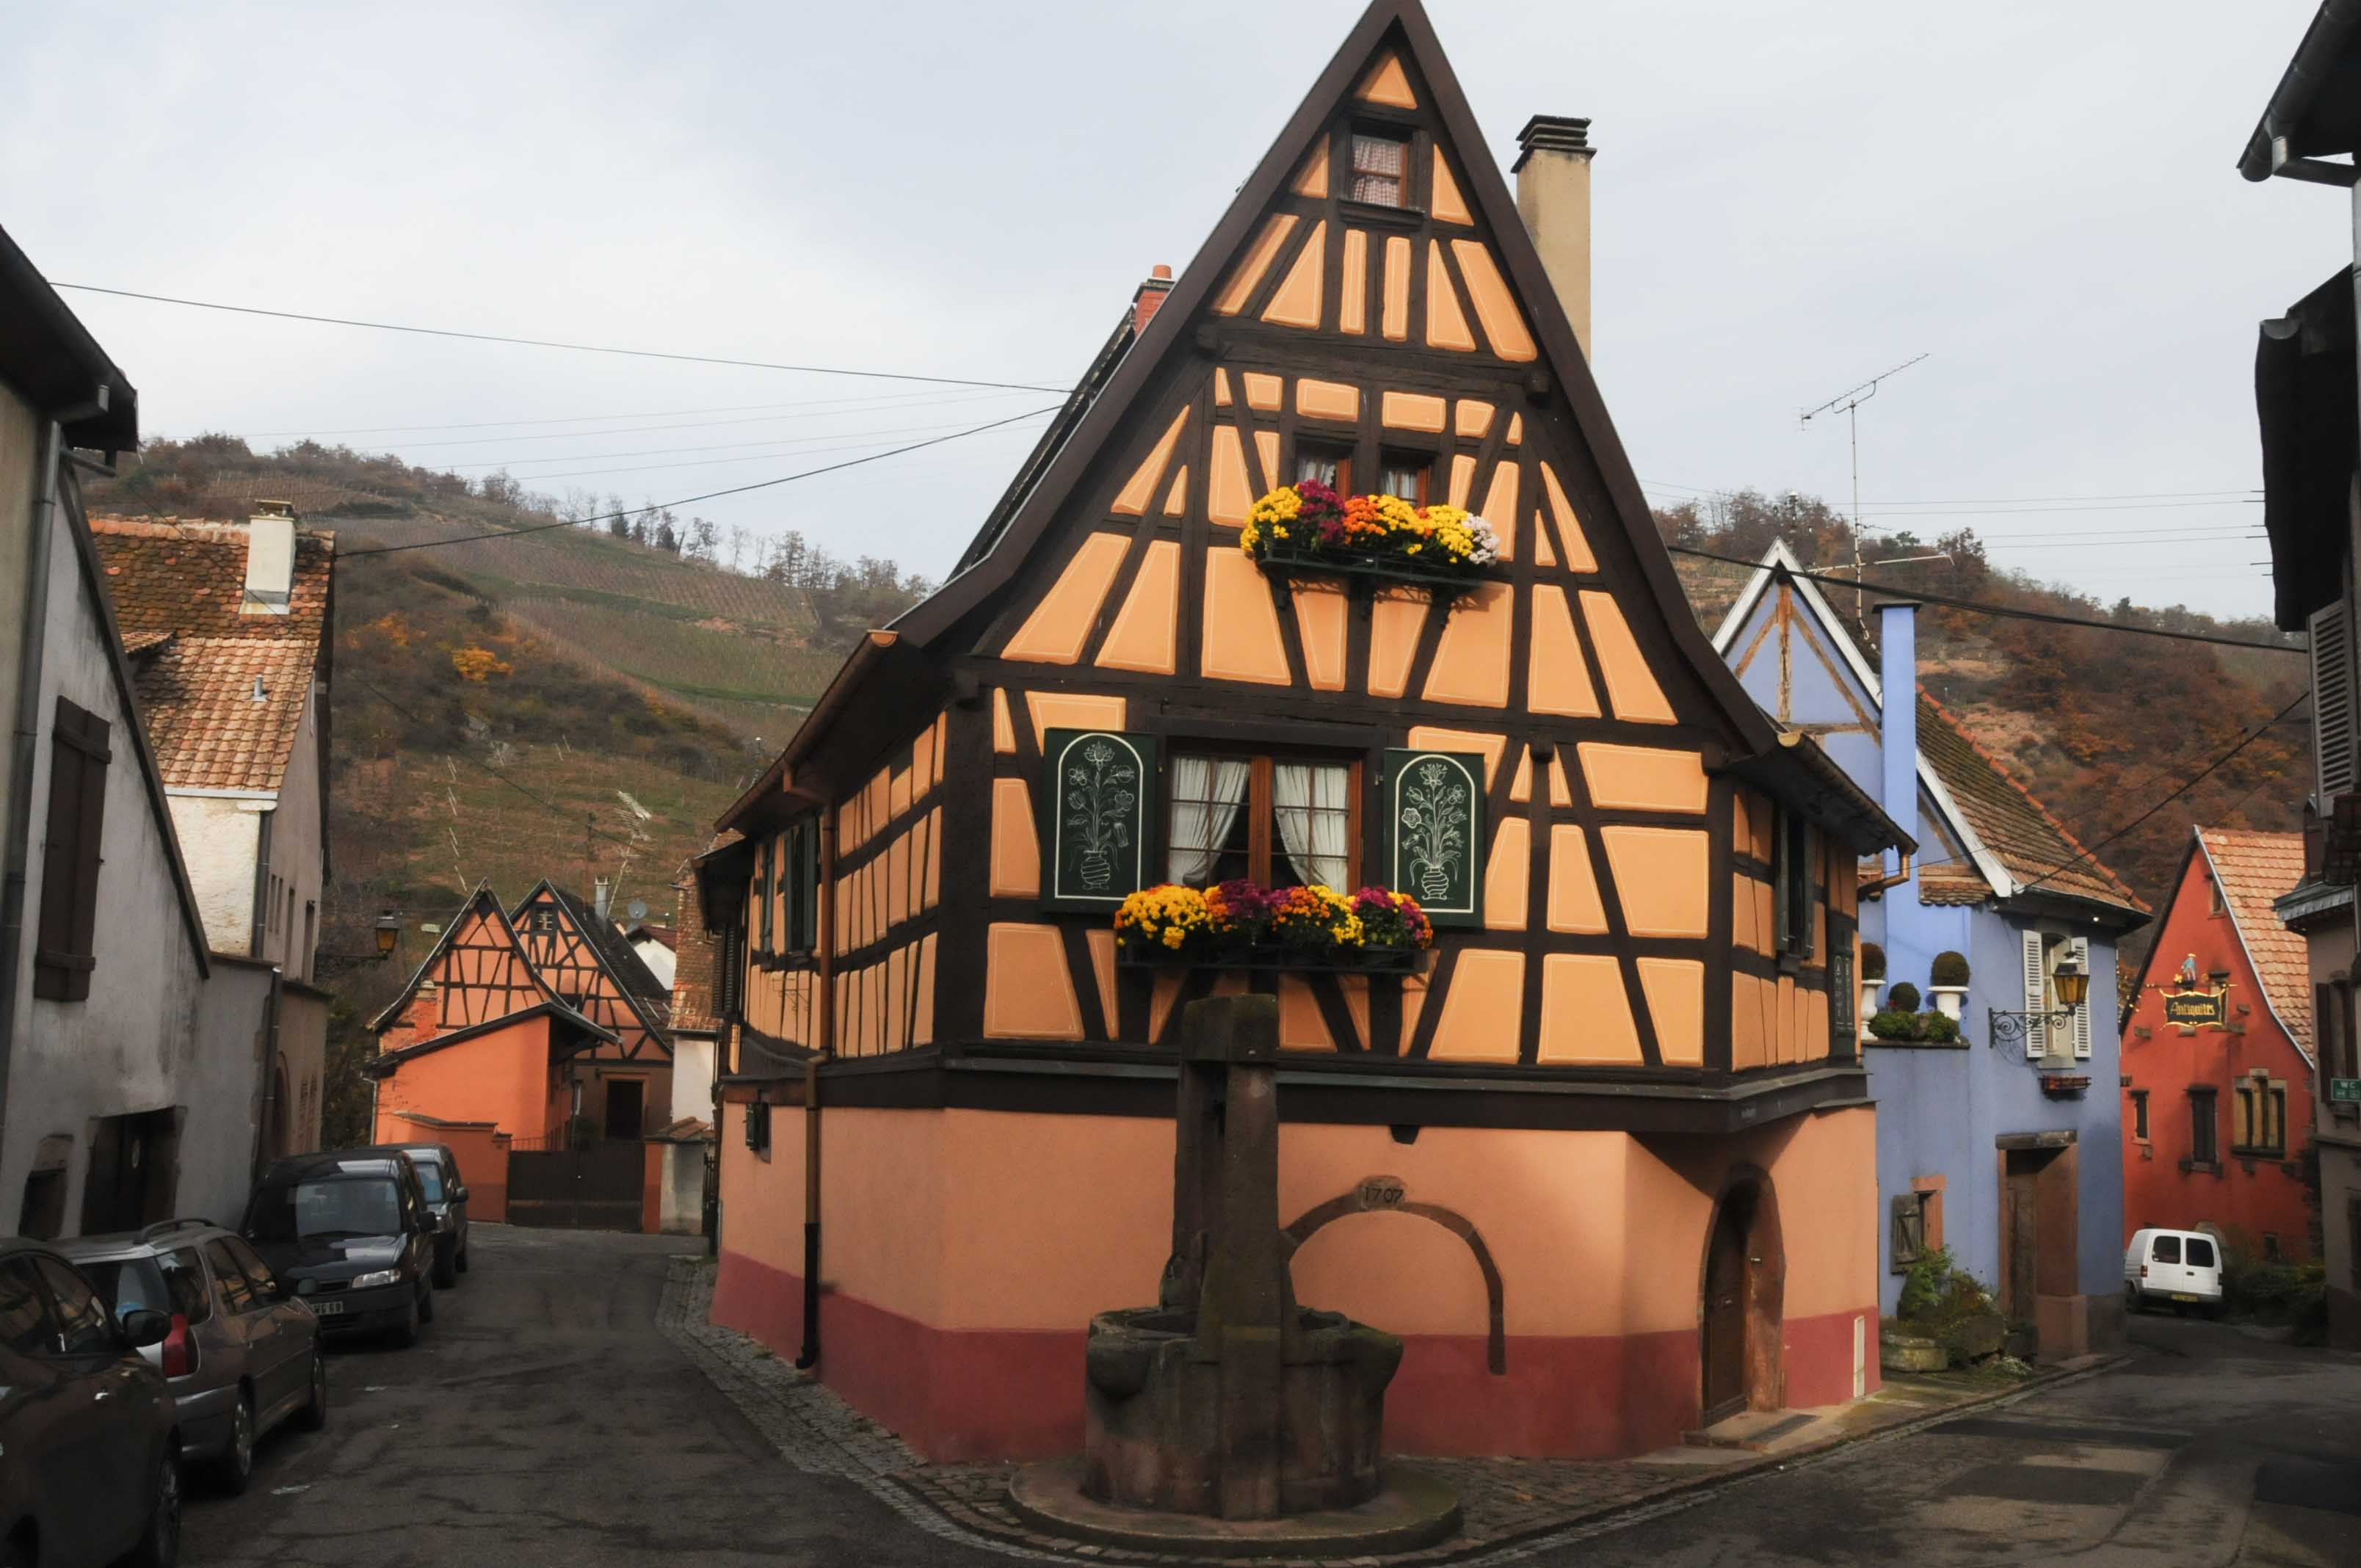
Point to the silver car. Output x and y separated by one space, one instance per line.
242 1356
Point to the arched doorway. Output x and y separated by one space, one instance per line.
1744 1298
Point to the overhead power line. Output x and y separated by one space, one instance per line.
688 501
823 403
1981 607
552 343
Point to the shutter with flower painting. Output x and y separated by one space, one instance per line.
1432 804
1098 829
2079 948
2037 995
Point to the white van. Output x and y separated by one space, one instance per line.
2183 1267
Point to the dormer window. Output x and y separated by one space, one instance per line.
1381 171
545 920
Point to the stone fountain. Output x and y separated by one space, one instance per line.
1226 1419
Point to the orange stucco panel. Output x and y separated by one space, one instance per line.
1353 304
1395 619
1028 994
1300 1027
1320 621
1241 629
1516 429
1675 992
1753 828
501 1076
1339 400
1558 678
1262 391
1446 324
922 1006
1574 903
1472 419
1630 684
1146 629
1578 557
1220 388
1443 200
1176 498
1544 556
1387 85
1520 787
1141 486
1297 300
1587 1012
1750 914
898 797
1101 941
1016 841
1166 991
933 873
1481 1008
1356 1002
1266 445
1752 1027
1495 307
922 760
1003 734
1463 481
1072 711
1661 876
1312 179
1471 665
1412 410
1394 319
1561 793
898 880
1254 264
1508 877
1434 738
1228 496
1499 507
1642 778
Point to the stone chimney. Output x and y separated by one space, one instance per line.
1150 298
603 894
269 559
1552 170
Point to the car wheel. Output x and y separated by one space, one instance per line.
407 1334
426 1305
160 1545
446 1269
463 1257
2132 1300
313 1416
235 1468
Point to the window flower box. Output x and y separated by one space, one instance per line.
2064 1085
1308 529
1239 925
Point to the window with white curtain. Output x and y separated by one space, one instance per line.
1281 821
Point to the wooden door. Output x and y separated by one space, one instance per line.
2020 1234
623 1107
1725 1313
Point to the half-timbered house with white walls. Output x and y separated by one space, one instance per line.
1628 1056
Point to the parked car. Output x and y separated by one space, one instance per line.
351 1236
243 1355
446 1197
2181 1266
92 1472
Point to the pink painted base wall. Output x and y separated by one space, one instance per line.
998 1394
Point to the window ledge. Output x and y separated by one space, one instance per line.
2257 1151
2202 1166
1378 215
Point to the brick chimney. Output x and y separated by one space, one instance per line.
269 559
1552 170
1150 298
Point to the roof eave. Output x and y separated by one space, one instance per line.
2331 43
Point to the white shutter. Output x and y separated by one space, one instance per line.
2037 997
2331 701
2081 951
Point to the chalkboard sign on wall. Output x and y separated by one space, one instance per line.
1099 825
1434 814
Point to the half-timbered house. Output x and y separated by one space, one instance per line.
1629 1055
539 1023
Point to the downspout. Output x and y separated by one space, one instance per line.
267 1100
808 1355
24 745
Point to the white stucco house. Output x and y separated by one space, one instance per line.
131 1061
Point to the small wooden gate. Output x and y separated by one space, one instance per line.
595 1187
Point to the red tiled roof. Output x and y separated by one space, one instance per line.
2033 846
179 590
2252 869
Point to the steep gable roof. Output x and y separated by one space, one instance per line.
2252 869
478 903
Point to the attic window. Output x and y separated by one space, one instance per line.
1381 171
545 920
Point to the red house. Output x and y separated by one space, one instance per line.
2216 1114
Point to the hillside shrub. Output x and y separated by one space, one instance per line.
1902 998
1949 968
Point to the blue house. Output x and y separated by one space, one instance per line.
2005 1144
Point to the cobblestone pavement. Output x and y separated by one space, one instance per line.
1515 1510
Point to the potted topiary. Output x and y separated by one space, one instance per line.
1873 981
1947 985
1904 997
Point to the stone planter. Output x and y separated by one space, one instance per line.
1869 993
1950 1001
1899 1352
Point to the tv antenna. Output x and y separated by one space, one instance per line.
1847 403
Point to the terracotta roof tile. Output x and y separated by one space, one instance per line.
2252 869
179 588
2032 845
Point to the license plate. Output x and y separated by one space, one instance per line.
328 1309
2183 1296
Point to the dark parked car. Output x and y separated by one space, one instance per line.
90 1461
242 1356
350 1235
446 1196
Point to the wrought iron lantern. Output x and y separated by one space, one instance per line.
388 932
2070 981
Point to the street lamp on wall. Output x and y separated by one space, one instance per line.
388 932
2070 982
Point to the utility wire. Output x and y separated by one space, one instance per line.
1981 608
533 796
828 404
687 500
2207 771
550 343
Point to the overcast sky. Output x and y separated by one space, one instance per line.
1790 197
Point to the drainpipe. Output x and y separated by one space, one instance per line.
268 1100
24 742
808 1355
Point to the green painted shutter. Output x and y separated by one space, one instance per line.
808 885
1098 823
1432 805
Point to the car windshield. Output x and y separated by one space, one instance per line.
336 1206
430 1176
164 1284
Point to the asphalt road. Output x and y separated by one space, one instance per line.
542 1420
2210 1447
545 1419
